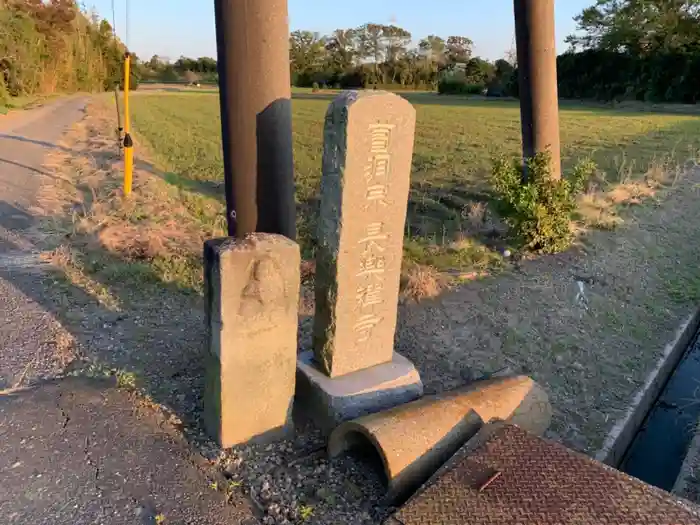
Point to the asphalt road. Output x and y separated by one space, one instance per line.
29 335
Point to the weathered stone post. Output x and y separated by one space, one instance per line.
252 296
353 369
537 72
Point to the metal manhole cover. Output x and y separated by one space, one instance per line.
518 478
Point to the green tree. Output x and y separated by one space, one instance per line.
342 50
503 69
459 49
397 41
479 71
306 52
433 48
639 27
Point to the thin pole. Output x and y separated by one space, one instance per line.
256 117
120 129
537 72
128 143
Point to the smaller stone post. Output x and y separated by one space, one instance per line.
353 369
252 296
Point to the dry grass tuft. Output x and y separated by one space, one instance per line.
419 282
144 242
598 208
66 260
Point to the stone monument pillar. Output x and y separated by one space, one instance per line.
353 369
252 298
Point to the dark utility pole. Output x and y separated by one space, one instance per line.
256 116
537 67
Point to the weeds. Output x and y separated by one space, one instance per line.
126 380
540 209
306 512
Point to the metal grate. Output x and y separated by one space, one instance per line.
517 478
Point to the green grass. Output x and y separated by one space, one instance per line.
456 140
24 102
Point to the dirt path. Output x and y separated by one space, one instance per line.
32 343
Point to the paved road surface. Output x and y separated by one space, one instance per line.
72 451
78 453
29 336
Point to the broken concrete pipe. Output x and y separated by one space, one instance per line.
415 439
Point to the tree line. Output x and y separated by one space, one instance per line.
51 46
634 49
375 54
622 49
369 55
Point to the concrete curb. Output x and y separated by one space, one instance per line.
683 481
621 435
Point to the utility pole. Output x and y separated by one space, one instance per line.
537 72
256 116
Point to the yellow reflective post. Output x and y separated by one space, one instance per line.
128 143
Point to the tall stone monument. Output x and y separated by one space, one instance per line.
252 297
353 369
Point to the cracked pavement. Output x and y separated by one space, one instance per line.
80 451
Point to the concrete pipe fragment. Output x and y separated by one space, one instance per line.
415 439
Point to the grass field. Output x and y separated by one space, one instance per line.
456 140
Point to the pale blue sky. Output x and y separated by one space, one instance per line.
171 28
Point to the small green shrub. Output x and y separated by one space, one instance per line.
459 86
315 87
538 211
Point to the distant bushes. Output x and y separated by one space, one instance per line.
608 75
612 76
459 86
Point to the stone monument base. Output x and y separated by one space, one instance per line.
330 402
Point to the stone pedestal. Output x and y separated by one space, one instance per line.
252 295
368 147
334 400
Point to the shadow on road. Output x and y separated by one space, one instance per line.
42 143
